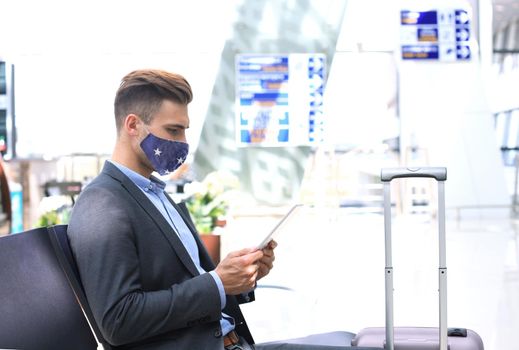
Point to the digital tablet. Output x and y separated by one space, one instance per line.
272 233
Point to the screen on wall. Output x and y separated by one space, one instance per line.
440 34
279 99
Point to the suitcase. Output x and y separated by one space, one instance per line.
417 338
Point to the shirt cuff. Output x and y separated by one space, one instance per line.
221 290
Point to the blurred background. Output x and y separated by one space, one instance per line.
295 101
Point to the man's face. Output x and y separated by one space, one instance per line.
170 122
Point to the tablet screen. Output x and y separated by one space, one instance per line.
276 228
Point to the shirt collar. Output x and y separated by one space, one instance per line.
152 184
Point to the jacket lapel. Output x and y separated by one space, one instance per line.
166 229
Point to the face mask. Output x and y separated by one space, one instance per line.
165 155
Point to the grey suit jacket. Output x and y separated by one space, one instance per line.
143 288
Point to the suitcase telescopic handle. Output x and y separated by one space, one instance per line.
438 173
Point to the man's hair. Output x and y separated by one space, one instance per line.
142 92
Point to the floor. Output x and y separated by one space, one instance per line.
329 274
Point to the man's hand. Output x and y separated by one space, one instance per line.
239 270
265 264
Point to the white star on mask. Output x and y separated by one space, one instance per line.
157 151
180 160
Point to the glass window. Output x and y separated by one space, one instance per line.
3 84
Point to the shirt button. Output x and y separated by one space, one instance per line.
218 333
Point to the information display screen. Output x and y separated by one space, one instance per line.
438 34
279 99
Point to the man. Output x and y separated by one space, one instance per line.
147 277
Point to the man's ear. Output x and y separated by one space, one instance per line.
131 124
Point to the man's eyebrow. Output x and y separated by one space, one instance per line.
180 126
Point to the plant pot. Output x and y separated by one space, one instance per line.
212 244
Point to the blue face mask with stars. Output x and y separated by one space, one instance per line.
165 155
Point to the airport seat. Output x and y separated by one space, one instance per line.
38 308
59 239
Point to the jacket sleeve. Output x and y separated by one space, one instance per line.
103 241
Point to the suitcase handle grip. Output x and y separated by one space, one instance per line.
438 173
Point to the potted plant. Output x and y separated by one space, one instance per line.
208 204
54 210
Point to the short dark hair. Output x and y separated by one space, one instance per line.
142 92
